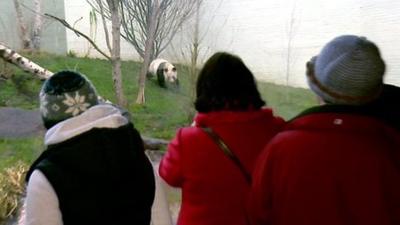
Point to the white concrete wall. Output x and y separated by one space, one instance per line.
79 10
259 32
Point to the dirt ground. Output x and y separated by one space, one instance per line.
20 123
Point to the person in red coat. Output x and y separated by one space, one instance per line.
213 186
336 163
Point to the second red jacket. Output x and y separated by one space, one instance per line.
330 166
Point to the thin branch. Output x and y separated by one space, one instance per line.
78 33
104 25
95 6
169 17
76 21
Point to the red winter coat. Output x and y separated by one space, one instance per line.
213 188
328 169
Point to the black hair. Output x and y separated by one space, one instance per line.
225 83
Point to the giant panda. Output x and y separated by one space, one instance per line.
166 72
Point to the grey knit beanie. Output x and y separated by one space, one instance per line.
348 70
64 95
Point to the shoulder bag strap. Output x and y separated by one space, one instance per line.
225 149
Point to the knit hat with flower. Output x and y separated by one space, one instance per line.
64 95
348 70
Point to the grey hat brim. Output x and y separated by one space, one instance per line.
330 96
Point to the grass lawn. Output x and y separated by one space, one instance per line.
164 112
14 150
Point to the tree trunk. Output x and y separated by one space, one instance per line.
143 71
116 52
147 53
290 37
23 30
195 45
25 64
37 25
194 51
117 81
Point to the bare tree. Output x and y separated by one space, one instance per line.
114 57
37 25
31 29
29 40
112 7
150 25
155 27
194 51
23 29
290 32
191 47
115 49
149 47
169 15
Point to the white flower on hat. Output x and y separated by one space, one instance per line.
76 104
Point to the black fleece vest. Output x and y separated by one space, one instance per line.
100 177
